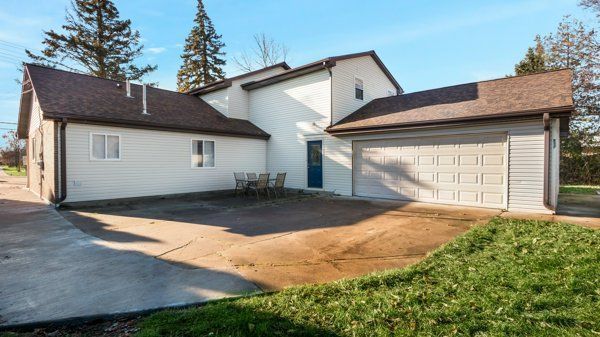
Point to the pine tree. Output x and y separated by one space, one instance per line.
96 40
534 61
202 55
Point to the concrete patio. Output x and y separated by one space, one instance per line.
143 255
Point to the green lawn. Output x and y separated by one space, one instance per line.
579 189
507 278
12 171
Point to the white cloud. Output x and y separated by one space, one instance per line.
156 50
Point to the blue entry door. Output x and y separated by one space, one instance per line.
315 163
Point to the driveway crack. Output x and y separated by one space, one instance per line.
176 248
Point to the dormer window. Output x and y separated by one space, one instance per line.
358 89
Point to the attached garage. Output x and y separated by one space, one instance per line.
492 144
465 170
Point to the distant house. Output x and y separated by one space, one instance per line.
341 124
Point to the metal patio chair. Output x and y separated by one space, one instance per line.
278 185
240 182
261 185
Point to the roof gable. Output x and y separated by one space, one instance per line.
319 65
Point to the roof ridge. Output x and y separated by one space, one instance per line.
474 82
101 78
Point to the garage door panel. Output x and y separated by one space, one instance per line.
468 170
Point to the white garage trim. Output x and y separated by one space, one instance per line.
442 169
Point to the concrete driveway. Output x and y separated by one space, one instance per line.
50 270
115 259
274 245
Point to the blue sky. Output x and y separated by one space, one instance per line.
424 43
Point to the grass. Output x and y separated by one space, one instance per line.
12 171
579 189
507 278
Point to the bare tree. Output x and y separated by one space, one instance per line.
594 5
266 52
13 150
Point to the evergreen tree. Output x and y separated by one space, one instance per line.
202 56
96 39
534 61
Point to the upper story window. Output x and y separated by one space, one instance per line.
203 153
358 88
105 146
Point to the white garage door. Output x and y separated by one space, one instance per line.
465 170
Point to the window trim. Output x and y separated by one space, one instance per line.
34 150
363 89
192 140
105 146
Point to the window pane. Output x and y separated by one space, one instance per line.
112 151
209 154
358 83
98 147
197 153
358 93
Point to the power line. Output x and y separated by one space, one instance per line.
12 52
10 56
16 45
8 123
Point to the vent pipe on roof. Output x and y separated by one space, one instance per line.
145 110
128 88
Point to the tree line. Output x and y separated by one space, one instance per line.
575 46
95 40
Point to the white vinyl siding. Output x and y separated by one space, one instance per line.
154 163
375 85
292 111
525 149
219 100
233 101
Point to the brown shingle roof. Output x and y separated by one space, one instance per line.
85 98
511 96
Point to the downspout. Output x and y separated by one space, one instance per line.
330 95
546 197
63 162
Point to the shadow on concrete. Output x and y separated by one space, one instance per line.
579 205
53 271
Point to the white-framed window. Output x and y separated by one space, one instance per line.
203 153
358 89
105 146
34 152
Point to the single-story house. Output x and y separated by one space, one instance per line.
341 124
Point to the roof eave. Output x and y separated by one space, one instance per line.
148 126
292 73
555 112
25 105
225 83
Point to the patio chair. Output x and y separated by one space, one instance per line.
278 185
261 185
240 182
251 176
